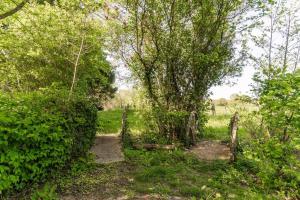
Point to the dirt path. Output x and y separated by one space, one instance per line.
211 150
107 149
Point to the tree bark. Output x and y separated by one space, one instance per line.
192 128
124 129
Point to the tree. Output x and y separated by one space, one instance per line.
14 10
41 47
277 37
280 105
179 49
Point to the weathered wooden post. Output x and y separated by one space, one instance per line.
124 128
233 127
192 128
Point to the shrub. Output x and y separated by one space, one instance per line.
264 166
47 192
164 126
277 165
81 116
280 105
39 134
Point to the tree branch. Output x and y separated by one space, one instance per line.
75 67
13 11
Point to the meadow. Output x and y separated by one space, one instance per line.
109 121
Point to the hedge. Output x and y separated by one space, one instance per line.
39 134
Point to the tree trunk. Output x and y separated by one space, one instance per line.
75 67
287 42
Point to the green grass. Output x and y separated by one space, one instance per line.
164 174
217 127
110 121
158 173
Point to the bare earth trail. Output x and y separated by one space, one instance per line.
108 149
211 150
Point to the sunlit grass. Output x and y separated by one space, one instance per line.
110 121
217 126
165 174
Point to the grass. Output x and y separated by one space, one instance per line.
217 126
162 174
110 121
158 174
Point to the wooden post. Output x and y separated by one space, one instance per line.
124 129
233 127
192 128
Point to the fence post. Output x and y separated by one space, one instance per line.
192 128
124 128
233 127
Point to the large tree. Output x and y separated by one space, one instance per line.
179 49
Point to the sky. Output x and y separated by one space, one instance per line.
241 86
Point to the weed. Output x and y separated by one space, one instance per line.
47 192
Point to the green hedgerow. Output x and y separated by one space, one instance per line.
41 133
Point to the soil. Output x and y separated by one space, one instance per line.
108 149
211 150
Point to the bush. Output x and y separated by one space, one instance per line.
47 192
39 134
280 105
266 165
277 165
169 126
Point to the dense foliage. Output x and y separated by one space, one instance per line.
271 159
280 105
53 71
44 44
41 133
179 49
